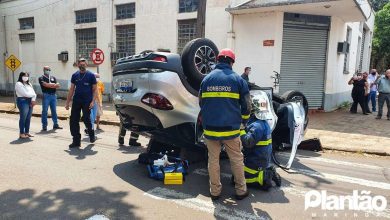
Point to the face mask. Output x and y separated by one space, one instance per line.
373 73
82 68
47 72
25 78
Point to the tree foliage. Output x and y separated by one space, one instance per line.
381 40
378 4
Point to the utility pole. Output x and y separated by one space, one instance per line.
201 21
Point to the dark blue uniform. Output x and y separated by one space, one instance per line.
225 102
257 142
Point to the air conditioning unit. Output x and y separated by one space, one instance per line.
63 56
343 47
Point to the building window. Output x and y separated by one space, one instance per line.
188 6
346 55
27 37
85 42
125 11
26 23
86 16
186 32
125 40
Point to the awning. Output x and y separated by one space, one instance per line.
347 10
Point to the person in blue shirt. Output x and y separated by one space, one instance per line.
257 142
83 91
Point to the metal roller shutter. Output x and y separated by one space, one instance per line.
304 62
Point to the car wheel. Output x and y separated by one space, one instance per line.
198 59
293 95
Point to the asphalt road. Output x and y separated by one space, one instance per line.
43 179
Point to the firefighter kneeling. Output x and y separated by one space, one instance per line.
257 142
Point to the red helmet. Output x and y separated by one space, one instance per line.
227 53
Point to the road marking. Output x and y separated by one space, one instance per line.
336 162
301 193
98 217
189 201
346 179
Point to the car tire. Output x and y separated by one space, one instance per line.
198 58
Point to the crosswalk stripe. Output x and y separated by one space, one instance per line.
186 200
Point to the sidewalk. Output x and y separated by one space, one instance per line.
109 116
337 130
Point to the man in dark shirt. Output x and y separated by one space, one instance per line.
83 91
49 86
246 73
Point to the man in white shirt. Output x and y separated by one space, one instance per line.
373 89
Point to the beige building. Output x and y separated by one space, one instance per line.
316 46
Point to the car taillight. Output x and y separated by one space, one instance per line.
160 59
157 101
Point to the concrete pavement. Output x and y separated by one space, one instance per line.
338 130
41 178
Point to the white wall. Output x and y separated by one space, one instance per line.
250 32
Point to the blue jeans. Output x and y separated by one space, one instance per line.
49 100
25 112
372 98
93 115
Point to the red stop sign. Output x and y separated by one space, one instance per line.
97 56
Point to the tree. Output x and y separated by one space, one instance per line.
381 41
378 4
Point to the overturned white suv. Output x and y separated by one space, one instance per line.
155 94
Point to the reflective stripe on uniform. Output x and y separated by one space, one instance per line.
264 143
245 116
257 179
242 132
249 170
231 95
221 133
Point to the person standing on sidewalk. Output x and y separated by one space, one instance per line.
224 101
49 85
25 101
366 93
358 93
83 92
100 91
384 94
373 89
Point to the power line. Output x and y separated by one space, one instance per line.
13 6
53 3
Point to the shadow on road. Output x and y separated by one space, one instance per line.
197 185
81 153
130 149
21 141
64 204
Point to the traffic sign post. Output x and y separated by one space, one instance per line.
97 57
13 63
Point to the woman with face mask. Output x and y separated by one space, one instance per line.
359 91
25 101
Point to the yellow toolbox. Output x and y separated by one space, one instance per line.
173 178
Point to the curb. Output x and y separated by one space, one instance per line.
362 151
63 118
